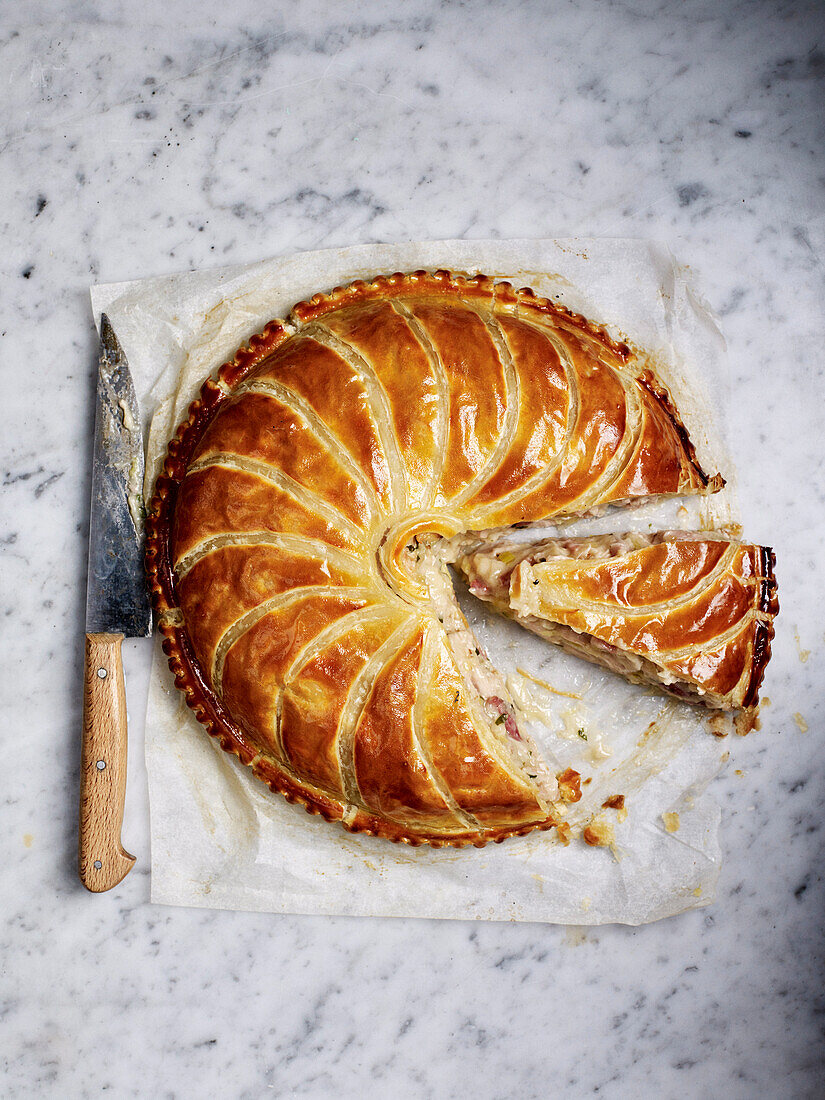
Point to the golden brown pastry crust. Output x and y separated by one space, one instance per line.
383 411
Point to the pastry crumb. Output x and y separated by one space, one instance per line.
739 772
570 788
28 840
616 802
804 654
800 721
746 721
563 833
671 821
719 725
697 893
599 833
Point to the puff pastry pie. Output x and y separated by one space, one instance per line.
690 612
293 539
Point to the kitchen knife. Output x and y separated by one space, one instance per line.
117 604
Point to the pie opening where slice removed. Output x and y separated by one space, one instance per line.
298 535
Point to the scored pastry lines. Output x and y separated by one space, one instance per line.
595 338
753 614
440 375
665 657
357 698
426 672
641 610
323 640
628 447
512 399
279 743
541 477
631 443
381 416
298 544
350 813
245 622
617 463
269 472
286 766
298 405
284 763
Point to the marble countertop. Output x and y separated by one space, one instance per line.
204 134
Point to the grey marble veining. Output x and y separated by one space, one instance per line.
195 134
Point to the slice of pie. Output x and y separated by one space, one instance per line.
293 539
687 611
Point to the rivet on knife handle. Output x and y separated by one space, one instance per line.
103 861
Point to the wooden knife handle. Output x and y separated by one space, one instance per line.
103 862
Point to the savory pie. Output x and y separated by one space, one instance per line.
689 612
295 537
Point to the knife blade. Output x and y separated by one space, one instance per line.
117 605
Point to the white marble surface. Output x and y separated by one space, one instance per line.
193 134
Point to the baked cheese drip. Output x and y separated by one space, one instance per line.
691 612
300 509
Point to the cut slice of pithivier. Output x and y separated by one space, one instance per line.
689 612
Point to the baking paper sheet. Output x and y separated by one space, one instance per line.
221 839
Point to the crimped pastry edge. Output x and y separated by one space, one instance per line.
455 284
648 380
764 630
183 664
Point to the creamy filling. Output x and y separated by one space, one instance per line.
490 697
452 549
632 666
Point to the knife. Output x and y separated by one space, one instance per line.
117 605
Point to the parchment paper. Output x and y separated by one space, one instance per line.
221 839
